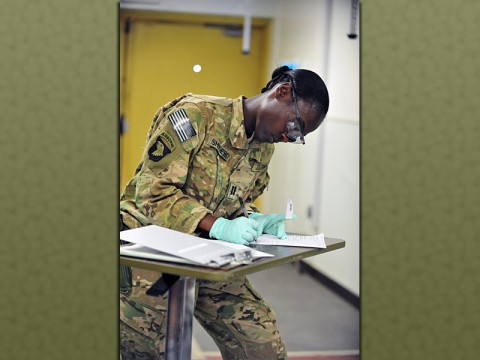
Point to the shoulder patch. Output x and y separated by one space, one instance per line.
160 148
182 124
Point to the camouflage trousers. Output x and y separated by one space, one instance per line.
240 322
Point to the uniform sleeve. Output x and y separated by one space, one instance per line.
165 165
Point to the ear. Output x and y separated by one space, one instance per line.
283 92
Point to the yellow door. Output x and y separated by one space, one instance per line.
157 57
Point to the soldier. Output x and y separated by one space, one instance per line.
203 153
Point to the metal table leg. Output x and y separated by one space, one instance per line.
181 298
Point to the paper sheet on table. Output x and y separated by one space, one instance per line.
314 241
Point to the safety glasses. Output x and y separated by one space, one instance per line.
294 133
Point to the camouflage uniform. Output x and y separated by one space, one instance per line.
192 167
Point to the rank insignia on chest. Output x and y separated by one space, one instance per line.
162 146
224 154
182 125
232 192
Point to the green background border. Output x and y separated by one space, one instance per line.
420 153
419 179
59 180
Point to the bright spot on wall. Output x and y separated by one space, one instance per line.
197 68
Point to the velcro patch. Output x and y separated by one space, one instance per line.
224 154
259 167
159 149
182 125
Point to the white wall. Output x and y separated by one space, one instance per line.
339 196
339 211
321 177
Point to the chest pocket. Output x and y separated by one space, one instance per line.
244 176
257 166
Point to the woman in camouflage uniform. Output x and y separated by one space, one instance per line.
202 154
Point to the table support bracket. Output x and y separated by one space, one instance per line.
162 285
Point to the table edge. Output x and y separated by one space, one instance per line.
222 274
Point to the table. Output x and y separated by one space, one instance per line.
181 295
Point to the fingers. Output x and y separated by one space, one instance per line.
275 222
254 224
277 226
241 242
241 230
250 231
260 230
249 235
280 233
275 218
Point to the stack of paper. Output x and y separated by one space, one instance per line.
156 242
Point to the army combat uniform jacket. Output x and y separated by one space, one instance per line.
197 161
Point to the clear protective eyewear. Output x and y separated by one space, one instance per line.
294 133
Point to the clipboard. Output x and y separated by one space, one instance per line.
212 253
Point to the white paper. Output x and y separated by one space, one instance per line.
186 246
141 251
314 241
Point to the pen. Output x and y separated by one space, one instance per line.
245 213
242 204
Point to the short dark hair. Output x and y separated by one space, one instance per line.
309 87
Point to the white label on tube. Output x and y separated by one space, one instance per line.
289 213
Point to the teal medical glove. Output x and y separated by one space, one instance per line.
271 224
241 230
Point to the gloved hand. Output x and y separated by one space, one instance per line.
241 230
271 224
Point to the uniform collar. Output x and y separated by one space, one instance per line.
237 133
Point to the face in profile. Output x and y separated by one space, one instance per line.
278 121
